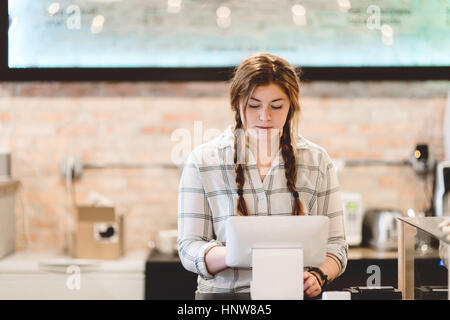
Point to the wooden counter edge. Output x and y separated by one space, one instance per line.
356 253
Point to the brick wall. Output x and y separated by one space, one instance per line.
132 123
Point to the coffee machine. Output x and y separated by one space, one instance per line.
442 189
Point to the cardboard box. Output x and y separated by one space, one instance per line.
99 233
8 191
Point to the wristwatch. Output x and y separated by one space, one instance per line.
322 275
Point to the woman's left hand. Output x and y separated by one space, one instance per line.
311 286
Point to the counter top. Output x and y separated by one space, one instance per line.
357 253
37 262
354 253
54 276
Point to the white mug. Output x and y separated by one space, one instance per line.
336 295
167 241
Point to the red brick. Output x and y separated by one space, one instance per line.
354 155
121 89
77 130
188 116
157 130
79 89
5 117
43 224
38 89
389 182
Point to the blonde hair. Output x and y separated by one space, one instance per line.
263 69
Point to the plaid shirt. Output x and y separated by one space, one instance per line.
208 196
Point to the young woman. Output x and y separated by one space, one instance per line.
259 166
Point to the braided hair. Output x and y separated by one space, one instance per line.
256 70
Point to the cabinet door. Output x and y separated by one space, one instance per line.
90 286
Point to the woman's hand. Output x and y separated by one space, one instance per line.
311 286
445 227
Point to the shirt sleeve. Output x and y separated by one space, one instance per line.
329 203
195 228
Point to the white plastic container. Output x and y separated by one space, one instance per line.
353 217
336 295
